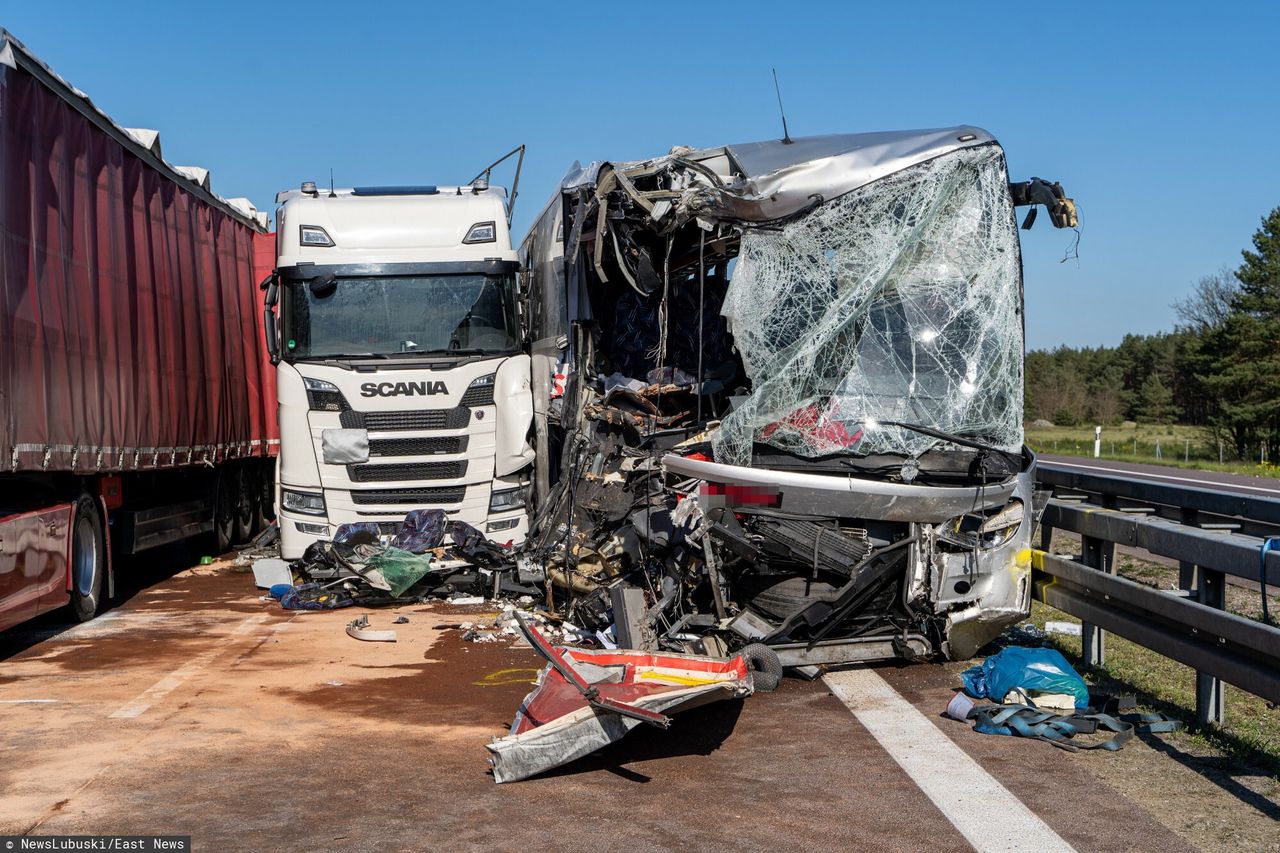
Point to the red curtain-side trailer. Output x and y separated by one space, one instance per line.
137 406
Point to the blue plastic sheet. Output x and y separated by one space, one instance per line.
1039 670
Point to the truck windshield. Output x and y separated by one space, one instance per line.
388 315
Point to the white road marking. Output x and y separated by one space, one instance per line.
977 805
173 680
1218 484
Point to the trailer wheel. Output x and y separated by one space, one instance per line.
764 666
266 496
224 512
88 559
245 499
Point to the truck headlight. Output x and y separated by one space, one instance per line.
323 396
302 502
507 499
482 232
974 530
479 392
314 236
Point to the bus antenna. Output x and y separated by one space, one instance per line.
786 136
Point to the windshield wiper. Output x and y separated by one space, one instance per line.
952 437
338 356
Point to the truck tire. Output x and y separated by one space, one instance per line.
224 512
88 559
764 666
266 495
245 497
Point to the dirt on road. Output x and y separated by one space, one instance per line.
198 709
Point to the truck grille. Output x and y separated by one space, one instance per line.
420 419
417 446
407 471
438 495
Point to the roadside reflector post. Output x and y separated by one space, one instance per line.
1097 554
1097 442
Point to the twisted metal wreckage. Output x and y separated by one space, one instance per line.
793 408
780 419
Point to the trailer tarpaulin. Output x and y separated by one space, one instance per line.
130 322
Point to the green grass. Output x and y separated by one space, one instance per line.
1251 735
1180 447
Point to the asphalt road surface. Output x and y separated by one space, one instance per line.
195 708
1239 483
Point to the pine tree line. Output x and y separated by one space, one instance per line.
1219 368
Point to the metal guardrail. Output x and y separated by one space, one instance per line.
1213 536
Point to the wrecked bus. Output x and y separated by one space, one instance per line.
778 396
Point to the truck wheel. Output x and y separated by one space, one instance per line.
245 498
88 559
266 496
764 666
224 512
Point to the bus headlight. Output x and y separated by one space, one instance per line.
302 502
974 530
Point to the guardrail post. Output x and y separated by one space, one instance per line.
1211 705
1098 554
1188 577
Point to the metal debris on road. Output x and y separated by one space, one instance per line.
360 630
586 699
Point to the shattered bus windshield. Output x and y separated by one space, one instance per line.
400 314
898 302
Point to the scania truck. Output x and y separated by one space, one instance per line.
402 379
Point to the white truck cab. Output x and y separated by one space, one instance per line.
402 377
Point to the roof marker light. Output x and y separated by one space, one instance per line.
314 235
481 232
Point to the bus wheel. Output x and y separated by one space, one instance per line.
88 559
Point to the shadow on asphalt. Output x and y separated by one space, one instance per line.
133 574
700 731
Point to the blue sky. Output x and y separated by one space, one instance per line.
1161 119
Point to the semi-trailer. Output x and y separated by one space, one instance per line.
136 406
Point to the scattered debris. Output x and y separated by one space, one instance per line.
462 600
271 571
1070 629
587 699
401 620
360 630
1027 676
1061 730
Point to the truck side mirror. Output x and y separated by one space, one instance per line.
271 285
